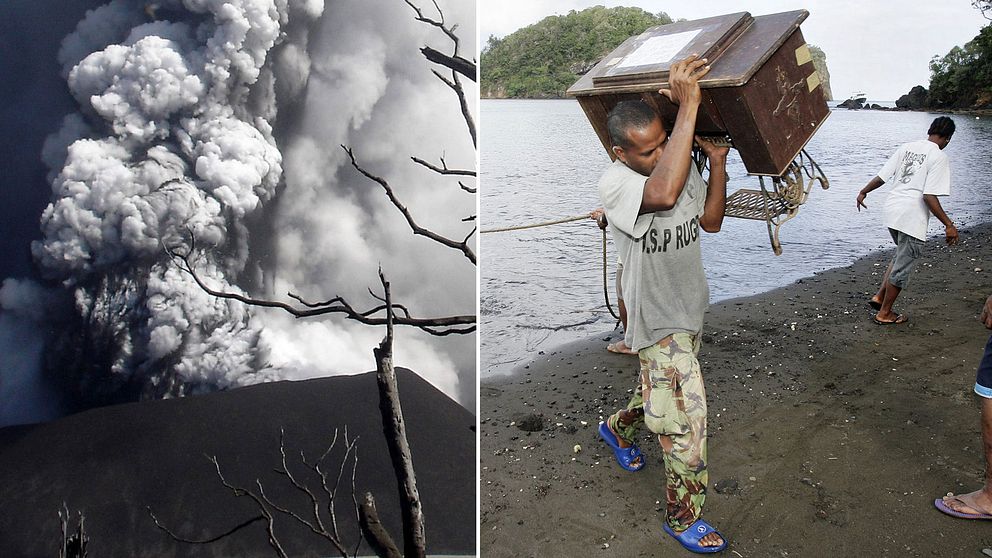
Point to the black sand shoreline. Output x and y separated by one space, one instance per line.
829 435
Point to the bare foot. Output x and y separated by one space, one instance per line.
711 539
977 502
890 318
636 462
621 348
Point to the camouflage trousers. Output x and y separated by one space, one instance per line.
671 402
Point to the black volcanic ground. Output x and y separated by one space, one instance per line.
111 463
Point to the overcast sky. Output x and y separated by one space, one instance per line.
880 47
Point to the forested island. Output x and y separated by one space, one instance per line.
959 80
541 61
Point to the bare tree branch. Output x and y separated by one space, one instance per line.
176 537
266 505
269 519
443 169
456 85
435 326
354 493
455 63
417 229
449 31
318 525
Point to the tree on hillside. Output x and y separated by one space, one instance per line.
383 312
544 59
962 78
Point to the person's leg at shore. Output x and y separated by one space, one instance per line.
675 409
979 503
876 301
621 346
908 251
625 423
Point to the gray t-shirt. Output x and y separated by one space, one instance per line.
664 286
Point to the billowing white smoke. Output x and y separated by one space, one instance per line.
175 138
371 89
172 144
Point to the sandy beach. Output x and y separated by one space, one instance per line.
829 435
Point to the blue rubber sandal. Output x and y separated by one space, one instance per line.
690 537
625 456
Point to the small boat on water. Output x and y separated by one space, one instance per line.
858 97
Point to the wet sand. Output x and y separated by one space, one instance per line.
829 435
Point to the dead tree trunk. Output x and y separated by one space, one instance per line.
375 533
414 543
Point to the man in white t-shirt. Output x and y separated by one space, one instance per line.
921 174
657 202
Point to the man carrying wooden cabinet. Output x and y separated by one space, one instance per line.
654 196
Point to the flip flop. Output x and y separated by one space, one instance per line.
940 505
690 537
875 304
625 456
900 319
612 347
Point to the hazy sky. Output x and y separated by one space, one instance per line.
880 47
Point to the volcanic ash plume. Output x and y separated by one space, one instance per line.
174 141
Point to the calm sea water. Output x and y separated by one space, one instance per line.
541 160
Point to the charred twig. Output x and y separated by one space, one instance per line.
453 62
458 64
443 169
337 305
266 514
228 533
417 229
267 506
456 85
449 31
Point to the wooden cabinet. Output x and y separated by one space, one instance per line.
762 91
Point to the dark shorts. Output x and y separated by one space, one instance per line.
908 250
983 381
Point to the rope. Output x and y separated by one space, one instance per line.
536 225
606 289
